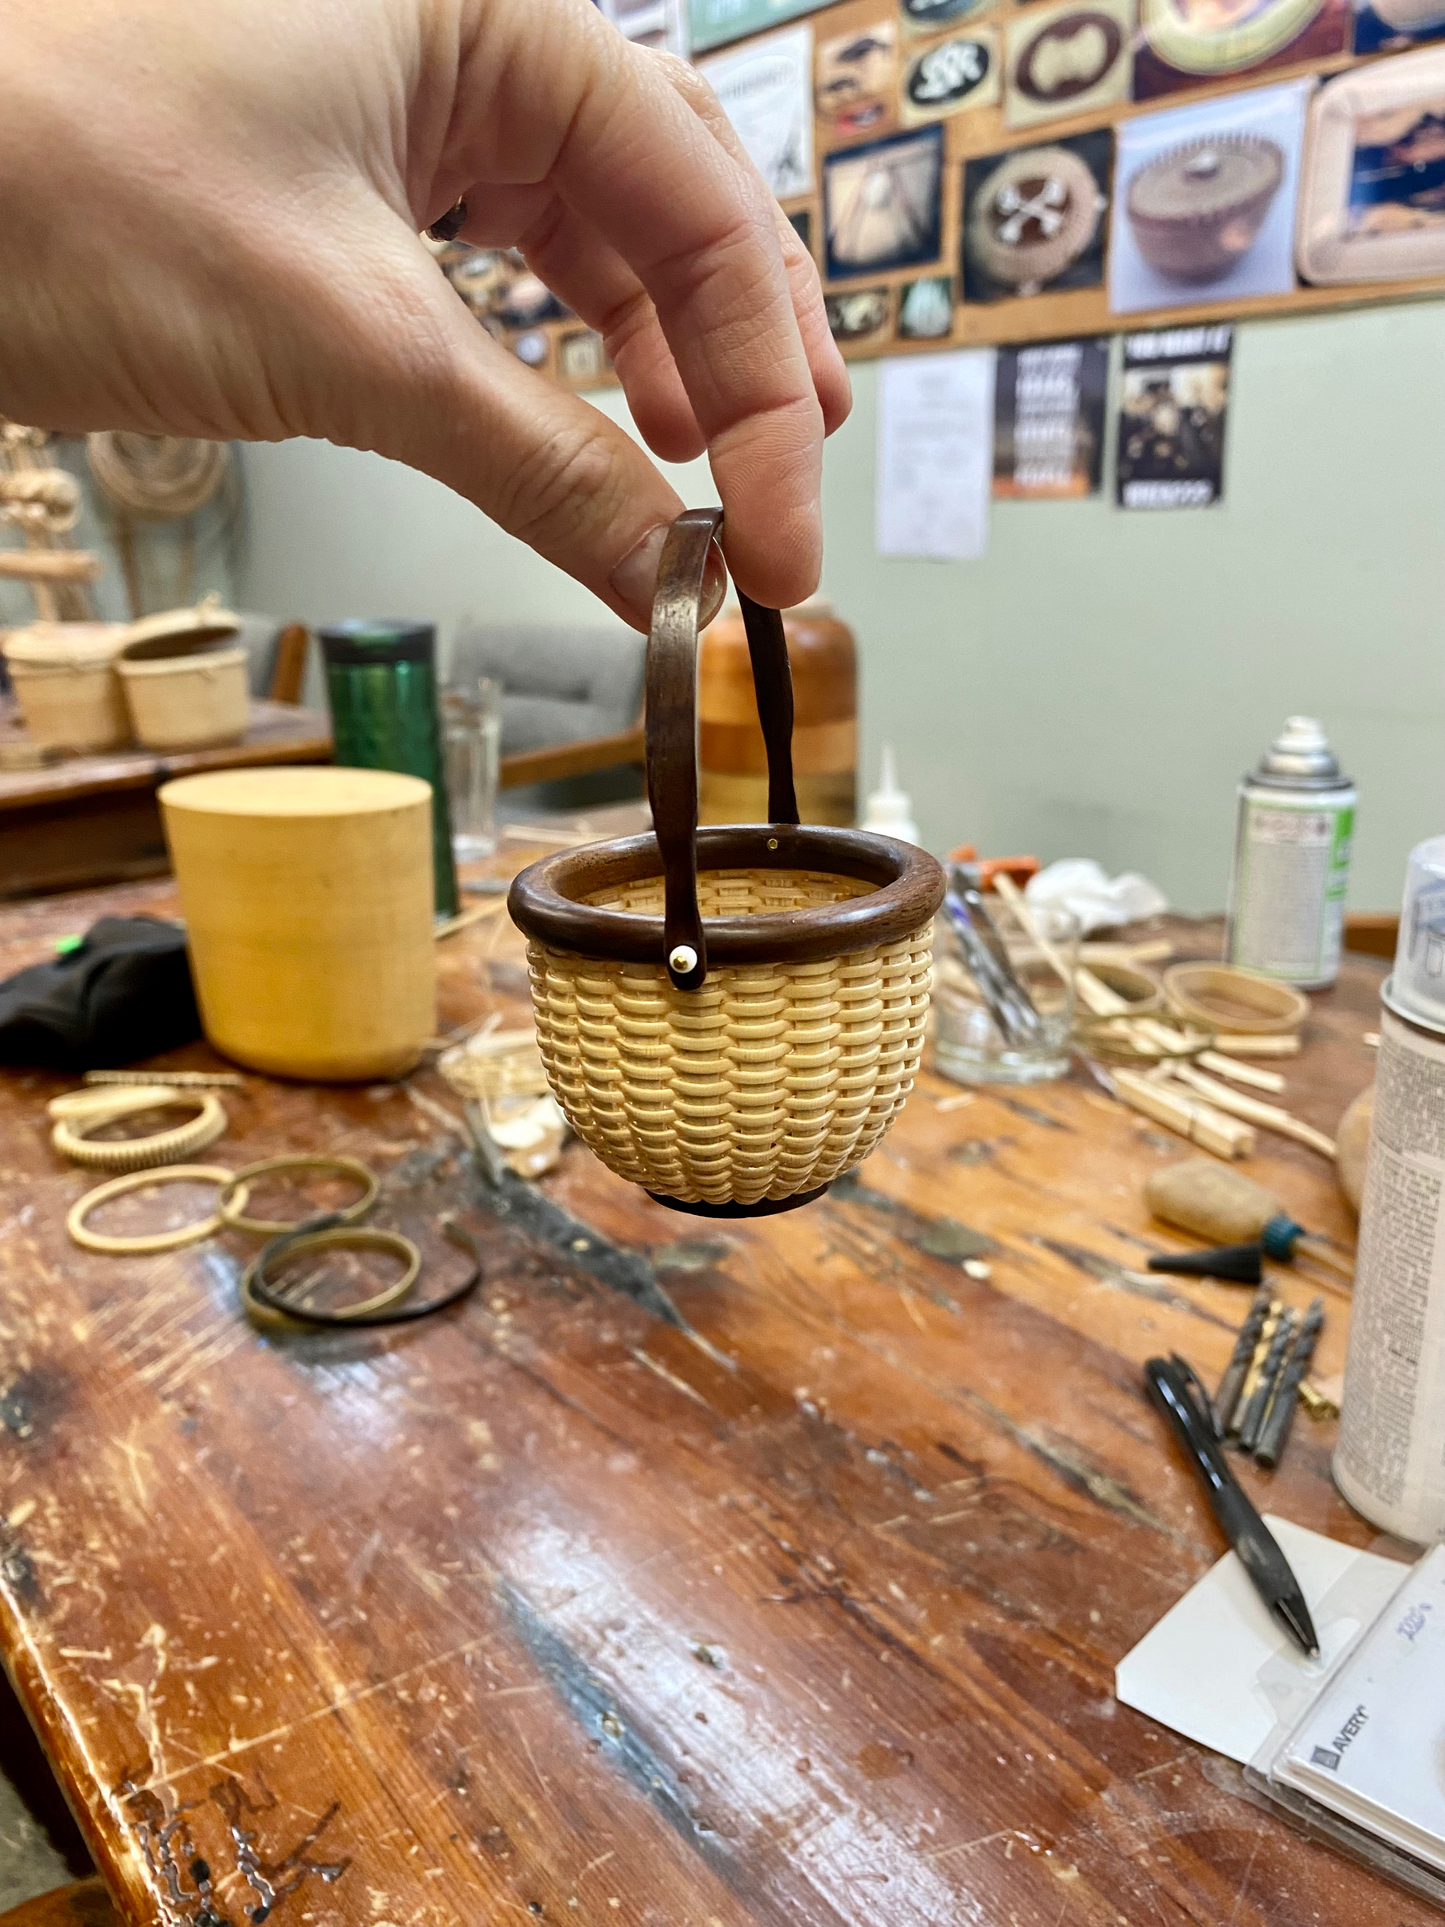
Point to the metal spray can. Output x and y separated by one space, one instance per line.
1292 860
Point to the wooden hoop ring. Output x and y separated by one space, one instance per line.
231 1216
148 1242
329 1235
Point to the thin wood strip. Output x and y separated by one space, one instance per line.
1202 1124
1272 1116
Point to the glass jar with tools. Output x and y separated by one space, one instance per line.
381 685
471 741
1003 989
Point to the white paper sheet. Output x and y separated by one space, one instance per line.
766 90
1219 1670
935 454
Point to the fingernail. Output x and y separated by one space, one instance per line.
634 580
714 586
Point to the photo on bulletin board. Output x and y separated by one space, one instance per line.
925 309
766 91
1068 59
933 16
864 315
1372 202
1173 405
1189 43
582 359
716 23
1048 437
1391 25
883 204
956 74
1206 200
855 86
1037 217
499 288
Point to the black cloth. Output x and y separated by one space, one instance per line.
123 993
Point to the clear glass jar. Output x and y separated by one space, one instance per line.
471 744
968 1043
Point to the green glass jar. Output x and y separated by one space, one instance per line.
382 687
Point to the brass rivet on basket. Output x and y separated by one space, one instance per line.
682 959
772 843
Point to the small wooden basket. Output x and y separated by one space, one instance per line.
733 1016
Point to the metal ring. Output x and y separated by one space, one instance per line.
261 1298
329 1234
135 1181
450 224
271 1227
70 1138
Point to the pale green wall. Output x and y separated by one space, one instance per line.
1098 682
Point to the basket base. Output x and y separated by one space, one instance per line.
764 1208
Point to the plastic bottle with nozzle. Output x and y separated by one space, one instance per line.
890 809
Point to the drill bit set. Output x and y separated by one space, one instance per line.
1255 1404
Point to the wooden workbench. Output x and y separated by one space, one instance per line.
94 819
696 1574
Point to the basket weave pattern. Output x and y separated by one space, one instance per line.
770 1080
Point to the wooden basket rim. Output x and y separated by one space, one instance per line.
544 898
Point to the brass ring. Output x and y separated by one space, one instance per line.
265 1304
70 1138
230 1214
151 1241
328 1234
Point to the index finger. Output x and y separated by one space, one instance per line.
697 228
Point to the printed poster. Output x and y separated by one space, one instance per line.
935 454
1048 432
766 91
1172 410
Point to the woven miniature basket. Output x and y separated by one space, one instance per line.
730 1017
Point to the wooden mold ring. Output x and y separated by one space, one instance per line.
326 1234
185 1234
231 1212
1226 997
544 900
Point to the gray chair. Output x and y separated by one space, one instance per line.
571 697
276 656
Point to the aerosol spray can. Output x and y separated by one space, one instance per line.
1292 860
1390 1460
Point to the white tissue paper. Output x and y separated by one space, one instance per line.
1079 884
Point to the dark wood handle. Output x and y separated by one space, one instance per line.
672 732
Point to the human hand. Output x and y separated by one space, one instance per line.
209 226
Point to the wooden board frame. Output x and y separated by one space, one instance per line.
1051 315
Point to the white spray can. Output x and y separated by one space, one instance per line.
1390 1460
1292 860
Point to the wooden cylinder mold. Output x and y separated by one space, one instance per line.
733 757
307 895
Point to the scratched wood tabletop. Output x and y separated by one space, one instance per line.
689 1573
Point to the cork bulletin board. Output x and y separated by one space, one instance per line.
993 172
977 171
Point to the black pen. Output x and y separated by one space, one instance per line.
1183 1401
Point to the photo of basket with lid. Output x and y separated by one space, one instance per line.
729 1016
